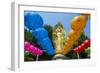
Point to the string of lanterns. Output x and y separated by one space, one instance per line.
32 49
83 46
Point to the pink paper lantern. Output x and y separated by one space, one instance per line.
26 45
32 49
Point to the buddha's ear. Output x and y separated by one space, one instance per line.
86 16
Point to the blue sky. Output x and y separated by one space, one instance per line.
53 18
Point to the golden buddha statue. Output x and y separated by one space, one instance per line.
59 36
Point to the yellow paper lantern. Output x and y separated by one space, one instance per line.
69 41
78 23
73 35
66 49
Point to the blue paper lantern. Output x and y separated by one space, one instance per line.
33 20
46 44
35 23
40 33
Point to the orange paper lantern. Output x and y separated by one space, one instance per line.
78 23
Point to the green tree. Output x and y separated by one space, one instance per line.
82 38
29 37
49 28
28 57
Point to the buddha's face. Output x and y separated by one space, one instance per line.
78 23
59 29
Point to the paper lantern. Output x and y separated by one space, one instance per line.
66 49
78 23
83 46
73 35
32 49
26 45
40 33
87 42
69 41
32 20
